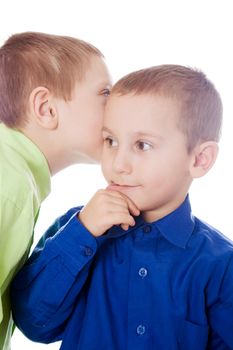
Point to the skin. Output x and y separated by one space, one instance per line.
144 161
83 115
61 129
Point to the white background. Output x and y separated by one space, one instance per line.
132 35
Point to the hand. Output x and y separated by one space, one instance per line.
108 208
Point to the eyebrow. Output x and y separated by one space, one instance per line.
106 129
137 133
147 134
106 83
101 85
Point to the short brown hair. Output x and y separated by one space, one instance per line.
30 59
201 105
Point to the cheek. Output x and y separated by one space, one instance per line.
96 121
98 106
105 166
91 126
91 114
157 179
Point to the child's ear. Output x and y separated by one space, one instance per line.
43 108
204 156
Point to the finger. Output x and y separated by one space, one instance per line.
125 227
130 204
133 209
121 219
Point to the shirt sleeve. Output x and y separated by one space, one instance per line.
16 230
221 312
45 290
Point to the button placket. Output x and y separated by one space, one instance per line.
138 307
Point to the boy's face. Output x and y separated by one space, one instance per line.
82 117
145 155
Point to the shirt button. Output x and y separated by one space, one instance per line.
141 329
88 251
142 272
147 229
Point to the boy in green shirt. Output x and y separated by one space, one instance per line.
53 93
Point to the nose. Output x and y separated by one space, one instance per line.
122 162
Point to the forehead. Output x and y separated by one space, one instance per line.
97 71
142 109
96 79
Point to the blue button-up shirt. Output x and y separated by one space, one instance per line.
164 285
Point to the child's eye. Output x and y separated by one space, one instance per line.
110 141
143 146
105 92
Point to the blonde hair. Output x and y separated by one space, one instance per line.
201 105
29 59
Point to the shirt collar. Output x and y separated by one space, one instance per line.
176 227
31 154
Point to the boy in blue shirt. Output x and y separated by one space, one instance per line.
108 277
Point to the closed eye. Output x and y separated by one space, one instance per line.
105 92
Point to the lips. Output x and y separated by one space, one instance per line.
120 187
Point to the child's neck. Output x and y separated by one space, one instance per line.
156 214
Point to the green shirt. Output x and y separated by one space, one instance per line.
24 184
